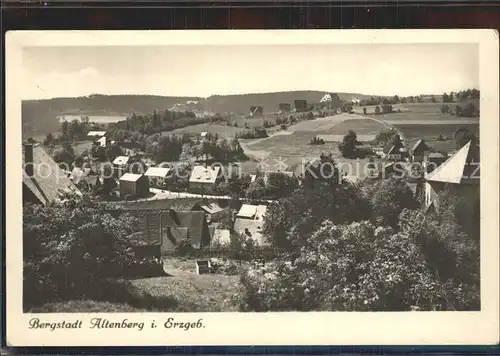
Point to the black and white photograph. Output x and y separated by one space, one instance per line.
247 178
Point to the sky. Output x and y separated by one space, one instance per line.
375 69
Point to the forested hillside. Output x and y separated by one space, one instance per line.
40 116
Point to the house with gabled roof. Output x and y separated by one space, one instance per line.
162 231
203 179
393 152
249 221
44 182
98 137
460 173
213 211
134 185
159 176
419 150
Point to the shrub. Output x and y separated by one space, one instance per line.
72 246
354 267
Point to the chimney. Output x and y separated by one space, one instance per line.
28 160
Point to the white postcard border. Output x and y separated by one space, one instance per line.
312 328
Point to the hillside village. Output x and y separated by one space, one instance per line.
181 198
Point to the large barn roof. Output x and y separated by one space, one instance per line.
456 169
49 181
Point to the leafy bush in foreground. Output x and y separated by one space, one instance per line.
354 267
71 247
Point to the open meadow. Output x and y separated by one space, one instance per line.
423 121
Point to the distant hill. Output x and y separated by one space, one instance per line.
40 116
269 101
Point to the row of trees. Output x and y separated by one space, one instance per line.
159 122
213 146
467 110
461 96
349 147
272 185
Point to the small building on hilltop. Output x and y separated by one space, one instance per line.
134 186
43 180
330 101
461 174
203 179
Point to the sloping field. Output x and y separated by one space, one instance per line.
411 118
182 291
323 123
361 126
340 138
197 293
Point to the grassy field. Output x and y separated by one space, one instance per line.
197 293
182 291
360 126
323 124
221 130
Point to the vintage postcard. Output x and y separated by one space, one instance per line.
252 187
